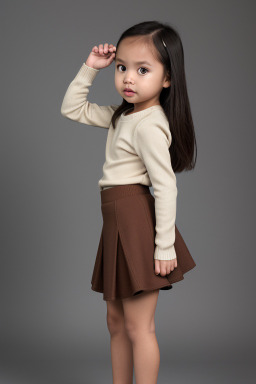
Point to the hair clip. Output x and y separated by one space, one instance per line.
164 43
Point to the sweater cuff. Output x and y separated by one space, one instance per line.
165 254
87 72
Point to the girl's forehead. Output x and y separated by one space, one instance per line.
135 52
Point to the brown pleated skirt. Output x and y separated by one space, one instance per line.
124 264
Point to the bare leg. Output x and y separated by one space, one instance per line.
121 347
139 314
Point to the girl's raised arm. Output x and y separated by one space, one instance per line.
75 105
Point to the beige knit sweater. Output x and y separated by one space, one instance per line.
137 151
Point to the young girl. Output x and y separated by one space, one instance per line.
150 136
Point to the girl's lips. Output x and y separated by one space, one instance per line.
129 93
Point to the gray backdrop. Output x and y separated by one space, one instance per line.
51 323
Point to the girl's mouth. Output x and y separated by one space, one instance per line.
129 93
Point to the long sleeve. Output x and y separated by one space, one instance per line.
152 140
75 105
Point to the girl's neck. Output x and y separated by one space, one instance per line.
139 110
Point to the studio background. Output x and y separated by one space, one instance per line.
50 199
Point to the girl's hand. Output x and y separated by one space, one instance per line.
101 57
164 267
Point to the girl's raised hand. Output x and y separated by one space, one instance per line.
101 57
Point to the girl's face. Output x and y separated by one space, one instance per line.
137 68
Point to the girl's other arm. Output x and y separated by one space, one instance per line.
152 141
75 105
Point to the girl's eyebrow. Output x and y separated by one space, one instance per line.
137 62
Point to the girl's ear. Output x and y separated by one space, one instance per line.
167 83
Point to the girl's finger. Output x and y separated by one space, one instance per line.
109 46
101 48
106 48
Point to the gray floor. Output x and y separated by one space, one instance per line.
67 367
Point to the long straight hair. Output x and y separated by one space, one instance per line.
174 99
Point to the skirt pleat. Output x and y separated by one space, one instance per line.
124 264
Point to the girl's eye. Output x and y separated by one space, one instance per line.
145 70
120 65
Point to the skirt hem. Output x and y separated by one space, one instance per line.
95 289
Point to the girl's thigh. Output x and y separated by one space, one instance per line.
139 311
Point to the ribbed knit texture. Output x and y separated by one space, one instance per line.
137 151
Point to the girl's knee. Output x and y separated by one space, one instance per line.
115 321
136 330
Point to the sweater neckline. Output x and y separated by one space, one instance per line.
139 114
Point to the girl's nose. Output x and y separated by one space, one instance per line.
128 77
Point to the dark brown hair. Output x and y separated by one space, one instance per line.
174 99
